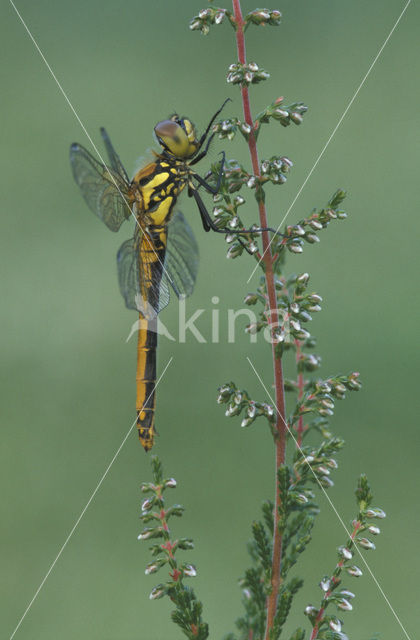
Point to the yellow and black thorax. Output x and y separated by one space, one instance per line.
157 187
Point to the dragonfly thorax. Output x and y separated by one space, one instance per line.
158 186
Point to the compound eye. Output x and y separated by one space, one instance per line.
172 137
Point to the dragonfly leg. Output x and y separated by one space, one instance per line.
208 186
204 152
209 224
205 134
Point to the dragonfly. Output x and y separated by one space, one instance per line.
163 253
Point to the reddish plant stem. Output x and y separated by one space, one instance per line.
280 427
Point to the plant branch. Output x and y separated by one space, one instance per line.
280 426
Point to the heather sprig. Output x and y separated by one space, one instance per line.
155 514
328 625
284 305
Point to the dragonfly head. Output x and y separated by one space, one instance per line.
177 136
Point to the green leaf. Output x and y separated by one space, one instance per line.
262 544
268 514
283 476
286 595
157 470
299 634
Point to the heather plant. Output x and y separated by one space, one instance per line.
285 304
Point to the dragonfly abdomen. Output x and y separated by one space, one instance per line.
146 382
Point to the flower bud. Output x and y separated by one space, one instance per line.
185 544
238 397
296 117
295 248
218 18
252 66
268 410
305 317
303 278
157 592
375 513
335 625
189 570
326 482
234 251
375 531
232 410
251 298
366 544
147 505
150 532
317 226
152 568
298 230
345 553
170 483
147 486
325 412
332 463
311 611
302 334
344 605
354 571
325 584
323 470
251 410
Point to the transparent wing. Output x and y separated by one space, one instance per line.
105 191
140 263
114 158
182 258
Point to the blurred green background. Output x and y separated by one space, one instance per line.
68 374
